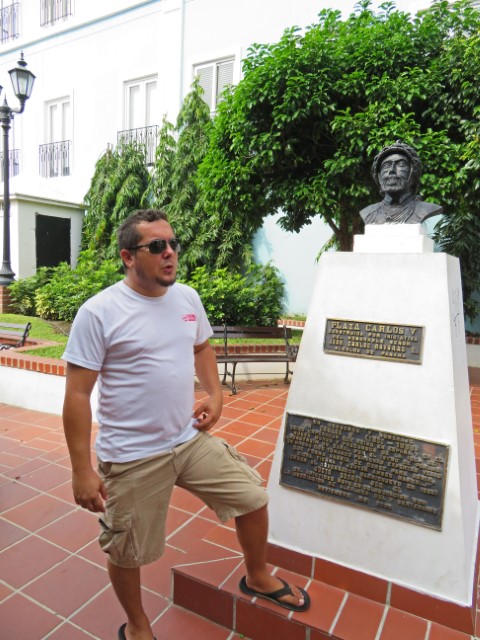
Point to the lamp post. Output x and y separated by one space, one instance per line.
22 82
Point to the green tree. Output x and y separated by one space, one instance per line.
459 234
160 181
207 239
173 181
299 132
118 187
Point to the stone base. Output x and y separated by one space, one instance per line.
5 300
393 238
342 600
428 401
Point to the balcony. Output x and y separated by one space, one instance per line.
52 11
145 136
55 159
9 22
14 164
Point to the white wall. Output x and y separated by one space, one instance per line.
295 256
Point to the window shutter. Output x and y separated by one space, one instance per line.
151 109
224 77
205 75
134 107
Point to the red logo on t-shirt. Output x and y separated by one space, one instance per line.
189 317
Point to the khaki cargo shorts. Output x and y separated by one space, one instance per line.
133 525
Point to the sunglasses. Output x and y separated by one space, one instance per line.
158 246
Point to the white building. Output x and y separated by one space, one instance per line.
113 68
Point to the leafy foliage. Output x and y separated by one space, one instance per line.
69 288
160 181
254 299
180 151
206 239
117 188
23 291
458 235
300 131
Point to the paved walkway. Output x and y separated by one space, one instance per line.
53 582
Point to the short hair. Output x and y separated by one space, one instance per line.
127 234
405 150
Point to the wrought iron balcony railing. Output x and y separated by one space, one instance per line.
146 136
52 11
9 22
55 158
13 166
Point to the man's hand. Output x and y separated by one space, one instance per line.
88 490
208 412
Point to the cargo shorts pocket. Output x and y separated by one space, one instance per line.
242 463
117 538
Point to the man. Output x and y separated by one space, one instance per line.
396 171
143 338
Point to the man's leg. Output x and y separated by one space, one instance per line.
126 584
217 474
252 533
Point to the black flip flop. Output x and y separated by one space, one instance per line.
121 632
275 595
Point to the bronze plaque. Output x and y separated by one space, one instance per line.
393 474
377 340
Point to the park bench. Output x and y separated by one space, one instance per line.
13 335
260 349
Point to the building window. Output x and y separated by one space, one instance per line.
214 78
141 103
52 11
56 154
58 119
9 19
141 115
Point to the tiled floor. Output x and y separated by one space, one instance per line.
53 582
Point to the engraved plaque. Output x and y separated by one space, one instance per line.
376 340
393 474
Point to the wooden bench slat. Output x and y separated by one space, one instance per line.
10 325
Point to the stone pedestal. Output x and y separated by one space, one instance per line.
425 396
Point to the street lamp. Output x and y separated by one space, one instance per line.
22 82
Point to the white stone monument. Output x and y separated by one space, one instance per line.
393 491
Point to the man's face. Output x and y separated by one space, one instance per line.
394 174
152 273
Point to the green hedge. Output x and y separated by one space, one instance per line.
253 299
58 293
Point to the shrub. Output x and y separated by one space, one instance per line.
69 288
253 299
23 291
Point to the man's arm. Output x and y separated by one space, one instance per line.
208 412
88 489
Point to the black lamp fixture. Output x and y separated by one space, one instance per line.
22 82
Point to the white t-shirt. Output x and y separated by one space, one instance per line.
143 350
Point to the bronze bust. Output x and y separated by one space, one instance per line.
396 170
